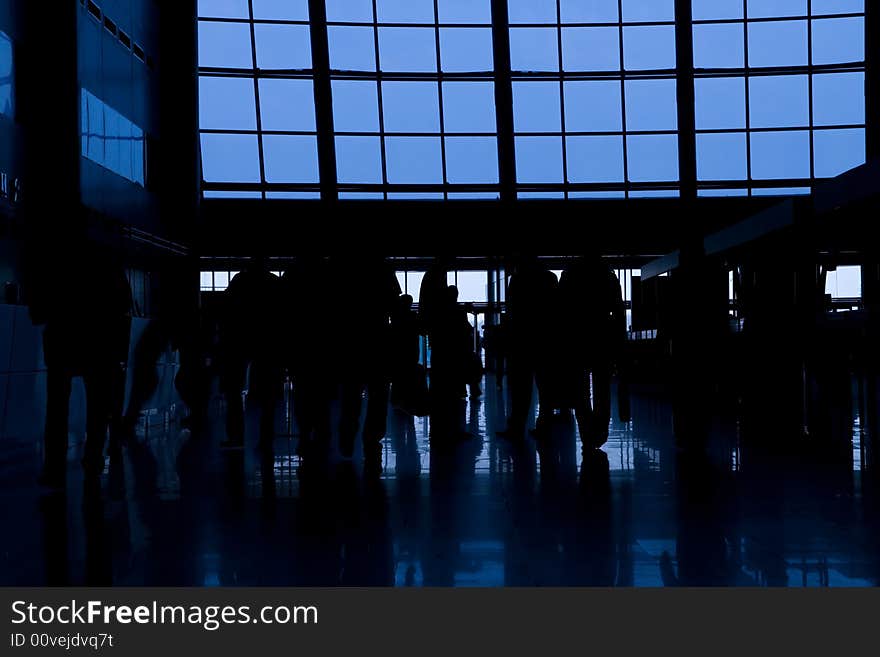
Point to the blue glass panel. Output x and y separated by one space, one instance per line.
652 158
207 281
594 159
469 106
779 101
720 103
230 158
227 104
413 160
465 11
655 193
838 40
287 105
778 43
837 151
780 191
223 9
466 49
298 196
358 159
283 46
838 98
821 7
649 47
405 11
532 196
639 11
722 192
593 106
407 49
281 10
589 11
780 154
776 8
531 11
7 97
290 158
410 107
590 49
473 196
596 195
534 49
722 156
539 159
536 107
355 106
719 45
716 9
226 45
371 196
651 105
350 11
351 48
471 160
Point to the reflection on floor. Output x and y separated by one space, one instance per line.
480 512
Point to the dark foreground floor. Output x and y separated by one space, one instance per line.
177 511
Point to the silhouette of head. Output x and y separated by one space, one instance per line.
405 301
452 294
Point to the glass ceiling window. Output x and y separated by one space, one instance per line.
779 93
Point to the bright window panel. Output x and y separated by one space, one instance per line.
223 9
651 105
779 101
780 154
358 159
349 11
593 106
716 9
407 49
722 156
844 282
355 106
230 158
589 11
838 98
591 49
472 286
225 45
411 106
352 48
720 103
717 193
536 107
648 48
297 196
281 10
287 105
469 106
838 40
405 11
531 11
652 158
465 11
466 49
539 159
719 45
227 104
640 11
594 159
778 43
413 160
776 8
283 46
290 158
655 193
821 7
838 151
533 49
7 96
471 160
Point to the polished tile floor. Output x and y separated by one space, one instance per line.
175 510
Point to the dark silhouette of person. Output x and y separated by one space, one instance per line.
249 341
371 290
531 298
408 387
432 292
594 330
86 334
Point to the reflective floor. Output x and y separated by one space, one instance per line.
478 511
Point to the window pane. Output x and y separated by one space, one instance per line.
533 49
407 49
355 106
594 159
716 9
223 9
230 158
358 159
287 10
466 49
837 151
719 46
780 154
351 48
637 11
774 8
350 11
464 11
720 103
651 105
655 193
722 156
539 159
589 11
531 11
227 104
405 11
593 106
283 46
590 49
838 98
413 160
780 191
652 158
410 107
536 107
287 105
778 43
779 101
821 7
225 45
838 40
722 192
649 47
299 196
469 107
7 95
290 158
471 160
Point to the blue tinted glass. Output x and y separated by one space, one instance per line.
411 107
407 49
213 194
597 195
775 8
837 151
95 129
111 143
371 196
463 196
465 11
299 196
536 107
471 160
655 193
838 40
283 10
227 104
7 100
283 46
780 191
638 11
534 49
651 105
589 11
821 7
716 9
351 48
652 158
780 154
290 158
720 103
779 101
593 106
722 192
226 45
539 159
594 159
223 9
350 11
358 159
590 49
126 150
838 98
469 106
466 49
355 106
531 11
405 11
287 105
722 156
413 160
540 195
719 45
230 158
778 43
415 196
649 47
